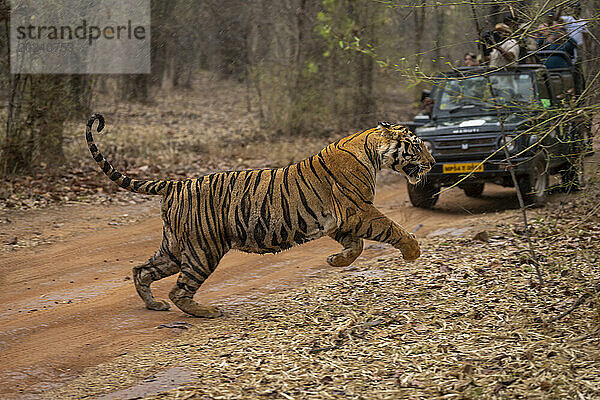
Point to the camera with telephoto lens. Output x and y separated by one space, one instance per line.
489 39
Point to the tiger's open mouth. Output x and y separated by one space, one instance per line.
414 172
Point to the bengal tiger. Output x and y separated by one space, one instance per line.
270 210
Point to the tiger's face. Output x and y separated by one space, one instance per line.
404 152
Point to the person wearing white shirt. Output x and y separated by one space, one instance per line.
507 51
577 29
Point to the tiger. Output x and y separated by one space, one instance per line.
269 210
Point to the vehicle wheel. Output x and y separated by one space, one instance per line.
474 189
424 194
534 187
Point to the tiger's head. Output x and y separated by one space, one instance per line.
403 152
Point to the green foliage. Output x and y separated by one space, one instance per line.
328 84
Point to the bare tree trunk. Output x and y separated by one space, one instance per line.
135 88
295 92
162 14
439 34
419 19
11 151
365 103
38 107
81 95
48 110
255 21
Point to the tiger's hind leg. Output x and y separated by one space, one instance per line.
195 268
353 247
157 267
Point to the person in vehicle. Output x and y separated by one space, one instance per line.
426 102
470 60
576 28
556 38
522 34
507 50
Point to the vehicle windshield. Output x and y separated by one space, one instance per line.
474 92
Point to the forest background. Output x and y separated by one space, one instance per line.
309 68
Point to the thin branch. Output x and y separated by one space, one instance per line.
579 302
519 194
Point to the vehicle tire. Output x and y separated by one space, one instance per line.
474 189
424 194
534 186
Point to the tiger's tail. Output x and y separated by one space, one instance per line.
133 185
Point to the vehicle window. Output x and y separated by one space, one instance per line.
507 89
464 92
513 88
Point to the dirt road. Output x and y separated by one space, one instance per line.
71 304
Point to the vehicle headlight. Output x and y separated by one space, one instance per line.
429 145
511 143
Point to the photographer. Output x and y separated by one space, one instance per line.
504 50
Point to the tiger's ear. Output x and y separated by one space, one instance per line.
390 131
386 130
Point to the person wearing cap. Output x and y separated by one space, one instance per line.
507 51
527 40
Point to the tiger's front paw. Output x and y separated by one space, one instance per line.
410 248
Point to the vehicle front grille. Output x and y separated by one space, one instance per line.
454 145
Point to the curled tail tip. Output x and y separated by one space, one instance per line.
93 118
